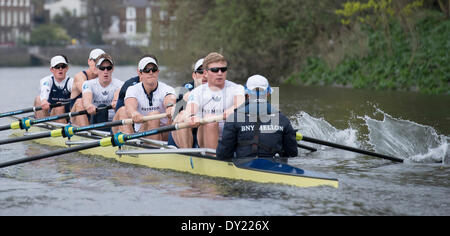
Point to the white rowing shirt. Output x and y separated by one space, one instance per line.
215 102
46 84
212 102
102 95
137 91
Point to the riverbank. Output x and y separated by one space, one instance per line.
35 56
370 61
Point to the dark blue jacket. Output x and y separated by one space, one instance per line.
242 136
123 91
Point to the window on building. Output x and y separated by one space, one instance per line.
27 18
149 27
2 18
131 27
148 13
131 13
15 18
8 18
2 3
21 18
163 15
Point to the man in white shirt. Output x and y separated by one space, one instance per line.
102 91
76 103
218 97
149 97
55 88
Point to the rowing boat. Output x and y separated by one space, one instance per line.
158 155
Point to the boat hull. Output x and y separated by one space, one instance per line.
206 166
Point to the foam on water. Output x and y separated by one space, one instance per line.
406 139
390 136
319 128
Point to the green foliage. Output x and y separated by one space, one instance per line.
71 23
428 72
257 36
49 35
398 45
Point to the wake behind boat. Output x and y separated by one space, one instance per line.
156 154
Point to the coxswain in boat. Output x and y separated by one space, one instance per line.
218 97
176 137
121 111
257 130
55 88
101 92
76 103
149 97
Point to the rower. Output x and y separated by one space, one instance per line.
175 137
54 89
101 92
76 103
258 130
149 97
121 111
218 97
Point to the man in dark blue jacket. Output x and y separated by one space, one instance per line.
258 130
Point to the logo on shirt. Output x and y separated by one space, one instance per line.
85 86
216 98
105 93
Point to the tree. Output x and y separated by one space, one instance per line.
99 18
266 37
49 35
378 14
73 24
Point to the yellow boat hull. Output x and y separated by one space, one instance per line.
195 165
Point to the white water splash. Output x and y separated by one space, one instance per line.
406 139
320 129
396 137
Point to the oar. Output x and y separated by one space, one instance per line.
31 109
311 149
26 123
300 137
68 131
117 140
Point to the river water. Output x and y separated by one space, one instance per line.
412 126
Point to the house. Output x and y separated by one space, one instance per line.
15 21
139 23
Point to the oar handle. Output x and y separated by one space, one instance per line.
347 148
146 118
203 121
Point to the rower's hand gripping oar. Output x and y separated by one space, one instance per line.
300 137
31 109
26 123
117 140
68 131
